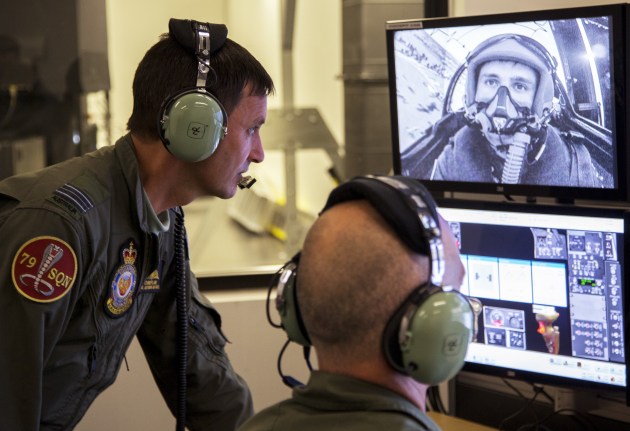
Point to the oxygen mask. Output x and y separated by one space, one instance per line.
511 130
502 115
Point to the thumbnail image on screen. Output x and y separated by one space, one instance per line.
547 296
512 103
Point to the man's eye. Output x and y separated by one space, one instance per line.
518 86
492 82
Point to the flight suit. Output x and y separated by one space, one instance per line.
85 265
338 402
469 157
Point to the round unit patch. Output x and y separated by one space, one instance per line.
123 284
44 269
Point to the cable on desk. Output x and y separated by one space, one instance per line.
514 388
435 400
530 402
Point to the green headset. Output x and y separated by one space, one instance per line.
193 121
428 335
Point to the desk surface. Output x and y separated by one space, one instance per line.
451 423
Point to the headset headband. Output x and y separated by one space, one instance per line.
184 31
201 38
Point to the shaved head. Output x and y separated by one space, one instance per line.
354 272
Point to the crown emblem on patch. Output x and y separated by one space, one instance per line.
130 254
123 285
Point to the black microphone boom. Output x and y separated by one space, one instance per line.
246 182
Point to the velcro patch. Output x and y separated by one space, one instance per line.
44 269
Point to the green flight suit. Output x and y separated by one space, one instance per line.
85 265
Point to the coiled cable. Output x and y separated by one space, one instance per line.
182 318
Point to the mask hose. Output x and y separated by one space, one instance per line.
515 158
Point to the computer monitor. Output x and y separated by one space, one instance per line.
548 288
522 104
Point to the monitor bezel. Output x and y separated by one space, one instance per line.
568 210
621 56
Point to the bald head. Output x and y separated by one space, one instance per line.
354 272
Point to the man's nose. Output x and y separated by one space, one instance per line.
503 94
257 154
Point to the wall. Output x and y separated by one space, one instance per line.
484 7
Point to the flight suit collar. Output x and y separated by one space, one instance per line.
148 219
335 392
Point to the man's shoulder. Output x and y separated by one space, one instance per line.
290 415
267 419
79 195
71 188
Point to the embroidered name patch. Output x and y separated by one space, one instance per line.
123 283
151 283
44 269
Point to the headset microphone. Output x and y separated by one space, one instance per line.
283 282
246 182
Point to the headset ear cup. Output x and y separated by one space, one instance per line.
290 314
437 337
192 124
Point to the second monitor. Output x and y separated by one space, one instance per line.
548 285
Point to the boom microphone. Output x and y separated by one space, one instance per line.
246 182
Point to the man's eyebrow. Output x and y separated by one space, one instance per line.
520 78
488 74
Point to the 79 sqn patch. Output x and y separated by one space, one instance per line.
44 269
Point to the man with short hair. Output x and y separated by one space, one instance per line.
365 276
93 249
507 137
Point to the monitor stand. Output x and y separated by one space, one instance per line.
570 399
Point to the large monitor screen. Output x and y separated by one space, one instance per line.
547 285
529 104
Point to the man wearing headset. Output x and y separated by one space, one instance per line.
508 138
93 249
357 271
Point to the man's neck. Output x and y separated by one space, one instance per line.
161 175
380 373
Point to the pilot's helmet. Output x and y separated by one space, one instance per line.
520 49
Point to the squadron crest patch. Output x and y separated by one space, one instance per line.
44 269
123 283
